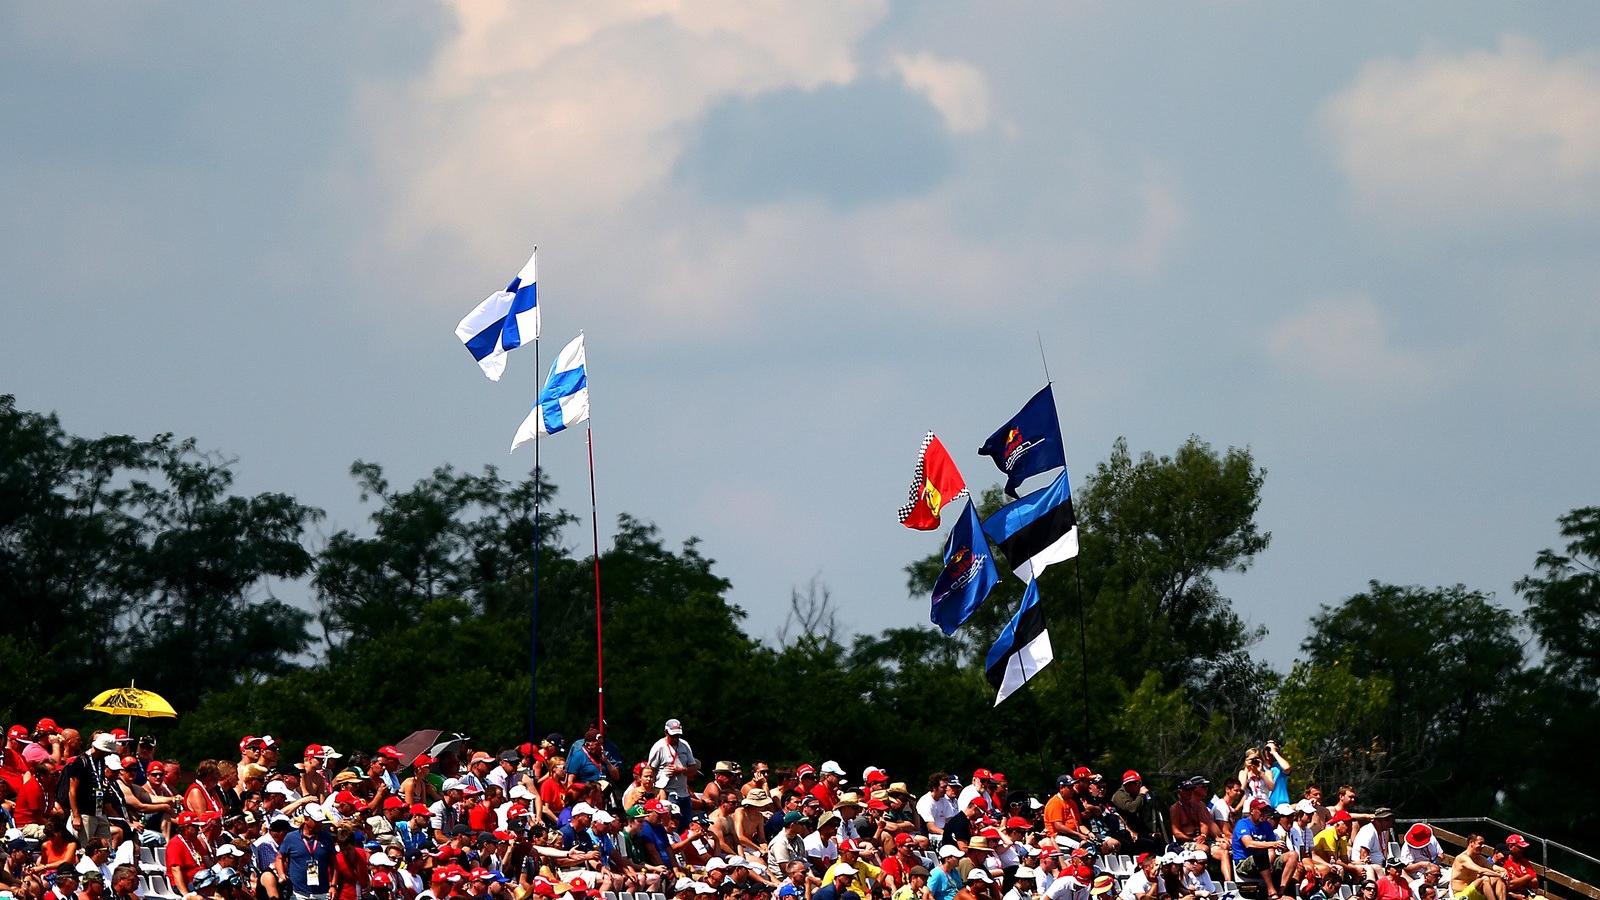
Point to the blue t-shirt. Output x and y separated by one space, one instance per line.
655 835
581 767
297 853
942 884
1280 788
1262 831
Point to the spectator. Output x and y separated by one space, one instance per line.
1330 850
1062 814
1522 880
1192 822
675 763
938 805
1420 849
1474 876
944 882
1371 845
1255 777
1326 886
1196 880
305 858
1278 768
838 888
1393 885
1257 851
1226 808
1430 878
1133 803
1145 882
916 886
827 789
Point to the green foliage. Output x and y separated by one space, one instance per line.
123 558
1332 720
1564 601
1450 659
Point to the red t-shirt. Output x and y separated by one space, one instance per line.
1516 868
553 796
1390 889
29 793
349 874
825 794
481 817
183 857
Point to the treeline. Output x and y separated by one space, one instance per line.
126 559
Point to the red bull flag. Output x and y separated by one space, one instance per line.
1028 444
937 482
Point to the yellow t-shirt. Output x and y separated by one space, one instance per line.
1331 845
859 884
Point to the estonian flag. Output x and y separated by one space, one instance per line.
1028 444
1022 649
504 321
1037 530
969 574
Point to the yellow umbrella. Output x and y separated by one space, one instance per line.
132 701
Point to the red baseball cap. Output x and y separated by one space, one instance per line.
873 775
48 726
1516 840
417 809
654 805
1000 777
393 802
902 839
982 775
19 733
347 798
1337 817
1259 803
804 770
1130 775
422 759
121 734
313 750
247 740
578 885
389 752
1018 822
849 845
1082 772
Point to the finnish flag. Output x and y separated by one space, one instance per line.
504 321
564 400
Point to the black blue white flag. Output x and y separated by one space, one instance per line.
1036 531
969 573
1022 649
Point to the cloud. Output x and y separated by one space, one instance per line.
1344 341
848 144
957 89
1456 141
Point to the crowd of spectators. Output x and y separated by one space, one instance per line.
87 820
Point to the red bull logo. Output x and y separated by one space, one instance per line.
1013 440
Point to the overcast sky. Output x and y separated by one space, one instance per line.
1357 238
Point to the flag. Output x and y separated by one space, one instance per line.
1037 530
969 573
936 482
564 400
1022 649
1028 444
504 321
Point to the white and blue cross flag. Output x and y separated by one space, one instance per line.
564 400
504 321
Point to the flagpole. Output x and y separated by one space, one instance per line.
533 626
1077 571
599 633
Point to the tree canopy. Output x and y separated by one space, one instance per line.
124 558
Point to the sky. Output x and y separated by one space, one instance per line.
1357 239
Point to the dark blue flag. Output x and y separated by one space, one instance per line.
1028 444
969 574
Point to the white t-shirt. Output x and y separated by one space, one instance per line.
1138 883
663 756
936 810
816 849
1411 855
1199 881
970 792
1373 840
1065 887
1221 811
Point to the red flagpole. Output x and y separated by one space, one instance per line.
599 632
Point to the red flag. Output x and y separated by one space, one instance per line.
936 483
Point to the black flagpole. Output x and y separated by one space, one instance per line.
1077 570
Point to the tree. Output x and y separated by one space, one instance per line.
1450 660
123 558
1564 601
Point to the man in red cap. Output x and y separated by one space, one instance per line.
1132 801
1258 852
982 787
1522 881
390 776
1330 850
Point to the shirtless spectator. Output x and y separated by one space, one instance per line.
1473 876
1192 823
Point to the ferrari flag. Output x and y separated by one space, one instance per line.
936 482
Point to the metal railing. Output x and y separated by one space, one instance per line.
1544 843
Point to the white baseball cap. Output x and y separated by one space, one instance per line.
673 726
978 874
583 809
844 869
379 858
601 817
832 767
1025 872
316 812
229 850
948 851
716 864
451 784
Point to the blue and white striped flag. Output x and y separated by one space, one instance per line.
504 321
564 400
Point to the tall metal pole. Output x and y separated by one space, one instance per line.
599 632
1077 568
533 625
